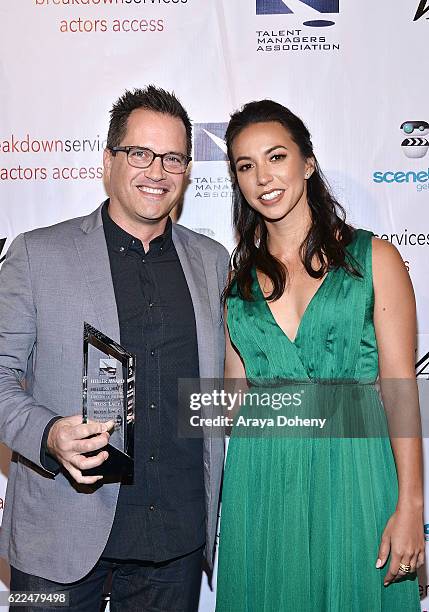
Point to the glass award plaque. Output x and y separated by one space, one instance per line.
108 394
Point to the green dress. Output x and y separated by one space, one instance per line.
303 515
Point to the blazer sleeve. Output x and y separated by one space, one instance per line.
22 419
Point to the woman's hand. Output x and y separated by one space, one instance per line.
403 539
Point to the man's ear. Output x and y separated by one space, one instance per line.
107 164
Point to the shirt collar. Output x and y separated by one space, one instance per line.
121 241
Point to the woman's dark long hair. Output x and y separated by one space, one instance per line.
328 236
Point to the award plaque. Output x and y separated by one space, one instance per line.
108 394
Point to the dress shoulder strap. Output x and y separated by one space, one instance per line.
360 251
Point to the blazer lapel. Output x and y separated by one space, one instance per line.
92 248
193 268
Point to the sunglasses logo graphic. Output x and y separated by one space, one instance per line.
415 145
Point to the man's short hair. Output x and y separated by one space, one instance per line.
153 99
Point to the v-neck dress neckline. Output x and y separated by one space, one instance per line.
306 312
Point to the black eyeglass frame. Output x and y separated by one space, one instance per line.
130 148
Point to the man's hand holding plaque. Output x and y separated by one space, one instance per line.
68 441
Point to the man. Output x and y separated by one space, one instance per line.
155 287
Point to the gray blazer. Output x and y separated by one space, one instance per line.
54 279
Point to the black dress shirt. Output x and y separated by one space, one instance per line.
162 514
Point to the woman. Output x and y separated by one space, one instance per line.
310 522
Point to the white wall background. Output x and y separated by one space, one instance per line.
354 84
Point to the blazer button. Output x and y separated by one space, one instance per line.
152 406
151 507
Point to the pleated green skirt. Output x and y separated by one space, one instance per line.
301 524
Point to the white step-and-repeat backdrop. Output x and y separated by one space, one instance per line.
354 71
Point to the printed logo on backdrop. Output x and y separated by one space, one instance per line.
2 243
100 22
290 36
211 180
422 10
422 369
214 180
278 7
414 147
209 142
414 238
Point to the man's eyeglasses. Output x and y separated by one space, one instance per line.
140 157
